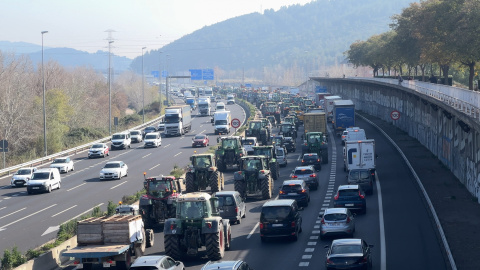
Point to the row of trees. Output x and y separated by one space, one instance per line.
445 33
77 104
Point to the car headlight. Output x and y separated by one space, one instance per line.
45 183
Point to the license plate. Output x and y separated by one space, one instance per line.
349 204
277 225
35 188
106 264
292 194
334 224
221 211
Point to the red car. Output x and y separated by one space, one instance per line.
200 140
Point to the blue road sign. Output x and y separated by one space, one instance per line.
320 89
155 73
164 73
248 85
196 74
208 74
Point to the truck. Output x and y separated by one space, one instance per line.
328 103
222 121
178 120
315 122
110 240
191 102
343 115
204 106
359 155
320 99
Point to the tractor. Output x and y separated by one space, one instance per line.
254 178
288 130
269 152
197 224
159 202
256 129
316 142
229 152
203 173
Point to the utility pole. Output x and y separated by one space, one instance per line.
110 41
143 89
44 106
160 78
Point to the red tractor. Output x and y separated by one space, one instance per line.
159 202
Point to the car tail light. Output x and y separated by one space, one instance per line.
303 191
329 261
313 175
172 226
76 262
239 172
209 224
303 161
261 226
282 192
262 171
110 261
361 196
318 160
293 224
323 221
236 209
336 197
348 219
294 176
364 259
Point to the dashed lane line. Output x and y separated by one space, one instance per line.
146 155
154 167
177 154
76 187
252 231
13 213
118 185
18 220
64 210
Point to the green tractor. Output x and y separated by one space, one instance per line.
316 142
197 224
229 152
203 173
256 129
254 178
269 152
288 130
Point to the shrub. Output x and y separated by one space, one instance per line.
111 208
177 171
12 259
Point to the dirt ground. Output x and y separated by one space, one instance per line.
456 208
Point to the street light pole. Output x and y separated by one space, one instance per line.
44 109
109 88
167 80
160 79
143 89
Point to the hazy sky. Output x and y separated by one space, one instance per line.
81 24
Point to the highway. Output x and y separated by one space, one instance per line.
398 225
28 221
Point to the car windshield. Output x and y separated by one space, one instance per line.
277 140
292 188
202 162
303 171
60 160
134 132
359 175
227 143
225 201
310 157
275 212
335 217
196 209
112 165
252 165
263 152
150 136
41 175
24 172
220 107
280 152
157 189
199 137
248 142
348 193
346 249
221 122
314 138
97 146
285 128
149 129
118 137
254 125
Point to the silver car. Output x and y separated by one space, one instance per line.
307 174
159 262
337 221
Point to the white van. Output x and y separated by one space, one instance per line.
44 180
220 107
248 143
230 99
121 140
356 134
152 139
221 121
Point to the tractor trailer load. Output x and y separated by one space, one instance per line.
178 120
315 122
328 105
343 115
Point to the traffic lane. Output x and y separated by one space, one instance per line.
409 229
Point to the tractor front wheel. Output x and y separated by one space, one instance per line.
190 183
240 188
215 183
267 188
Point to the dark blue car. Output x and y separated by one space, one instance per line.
297 190
351 197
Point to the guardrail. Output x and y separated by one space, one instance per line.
75 150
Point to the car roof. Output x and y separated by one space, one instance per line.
46 170
221 193
250 138
113 162
221 265
148 260
312 154
200 134
345 187
279 202
349 241
309 167
150 133
339 210
293 182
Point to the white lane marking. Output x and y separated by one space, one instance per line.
166 146
51 229
306 257
154 167
316 232
118 185
18 220
316 227
177 154
146 155
6 198
13 212
3 208
383 248
309 250
253 230
98 205
76 187
303 264
314 237
64 211
312 243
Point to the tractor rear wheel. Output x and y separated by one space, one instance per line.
215 184
274 170
172 246
240 188
228 234
215 244
190 183
267 188
149 238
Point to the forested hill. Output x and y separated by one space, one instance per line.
320 30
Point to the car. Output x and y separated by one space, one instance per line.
180 95
22 176
351 197
248 143
226 265
212 99
156 262
150 129
280 218
354 134
136 135
289 144
362 177
114 170
348 254
44 180
312 159
297 190
121 140
201 140
281 156
307 174
345 133
161 126
218 97
231 206
152 139
337 221
98 150
63 164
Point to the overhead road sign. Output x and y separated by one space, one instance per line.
196 74
155 73
164 73
208 74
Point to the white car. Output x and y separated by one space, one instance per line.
114 170
21 177
98 150
136 135
152 139
64 164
